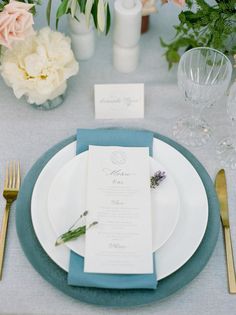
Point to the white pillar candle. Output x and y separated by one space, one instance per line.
127 27
128 4
127 23
82 37
125 59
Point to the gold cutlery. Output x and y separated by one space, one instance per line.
221 189
11 189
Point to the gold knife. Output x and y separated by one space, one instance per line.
221 189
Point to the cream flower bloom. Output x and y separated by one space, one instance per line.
39 67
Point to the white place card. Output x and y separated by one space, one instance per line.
118 198
119 101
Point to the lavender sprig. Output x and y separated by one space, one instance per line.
73 234
157 178
79 218
70 235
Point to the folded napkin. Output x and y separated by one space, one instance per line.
76 274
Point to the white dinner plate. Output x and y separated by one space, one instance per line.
67 201
187 234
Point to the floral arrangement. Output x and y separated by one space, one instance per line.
34 64
97 9
39 66
203 24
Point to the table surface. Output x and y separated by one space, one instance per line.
26 133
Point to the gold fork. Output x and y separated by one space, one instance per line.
11 189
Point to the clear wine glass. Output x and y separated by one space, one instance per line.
204 75
226 148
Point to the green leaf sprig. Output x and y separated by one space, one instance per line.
99 10
204 25
73 233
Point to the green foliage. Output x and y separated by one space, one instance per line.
3 3
62 9
48 11
108 19
65 7
212 26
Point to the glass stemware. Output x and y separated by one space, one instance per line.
226 148
204 75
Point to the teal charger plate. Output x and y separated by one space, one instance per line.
104 297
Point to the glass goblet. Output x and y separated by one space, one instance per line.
204 75
226 148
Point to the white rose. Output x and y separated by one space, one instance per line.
39 67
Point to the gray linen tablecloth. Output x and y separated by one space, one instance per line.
26 133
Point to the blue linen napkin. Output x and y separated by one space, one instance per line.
76 274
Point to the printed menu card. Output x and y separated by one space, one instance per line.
118 198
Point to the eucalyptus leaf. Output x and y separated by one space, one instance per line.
73 7
62 10
101 15
88 9
94 13
48 11
108 19
82 4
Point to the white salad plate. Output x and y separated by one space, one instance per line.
186 236
67 201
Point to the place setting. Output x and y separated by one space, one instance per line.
118 216
53 203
